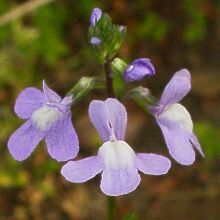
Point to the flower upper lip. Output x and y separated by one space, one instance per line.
61 107
174 121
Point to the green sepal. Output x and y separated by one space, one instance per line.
84 86
131 216
118 66
143 97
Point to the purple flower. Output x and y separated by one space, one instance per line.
175 121
138 69
95 16
116 160
95 41
48 116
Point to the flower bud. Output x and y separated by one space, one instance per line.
118 66
95 41
121 28
95 16
138 69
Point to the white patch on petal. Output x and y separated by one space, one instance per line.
177 112
117 155
44 117
130 68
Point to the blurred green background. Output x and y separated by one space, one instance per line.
51 43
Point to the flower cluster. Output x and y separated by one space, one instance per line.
48 116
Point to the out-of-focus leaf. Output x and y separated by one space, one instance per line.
50 22
143 97
153 27
208 135
195 30
131 216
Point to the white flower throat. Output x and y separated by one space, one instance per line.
44 117
177 112
117 154
130 68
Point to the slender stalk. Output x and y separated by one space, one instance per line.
112 208
22 10
108 77
111 201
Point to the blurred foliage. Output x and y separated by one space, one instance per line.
154 27
196 28
52 43
130 217
209 138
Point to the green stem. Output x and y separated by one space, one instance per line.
112 207
111 201
83 87
108 77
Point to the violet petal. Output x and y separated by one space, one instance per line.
62 141
29 100
138 69
177 88
95 41
196 144
117 117
82 170
95 16
98 114
24 140
109 118
152 164
119 182
51 95
178 141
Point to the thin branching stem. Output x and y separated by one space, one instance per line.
111 201
109 80
112 208
22 10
